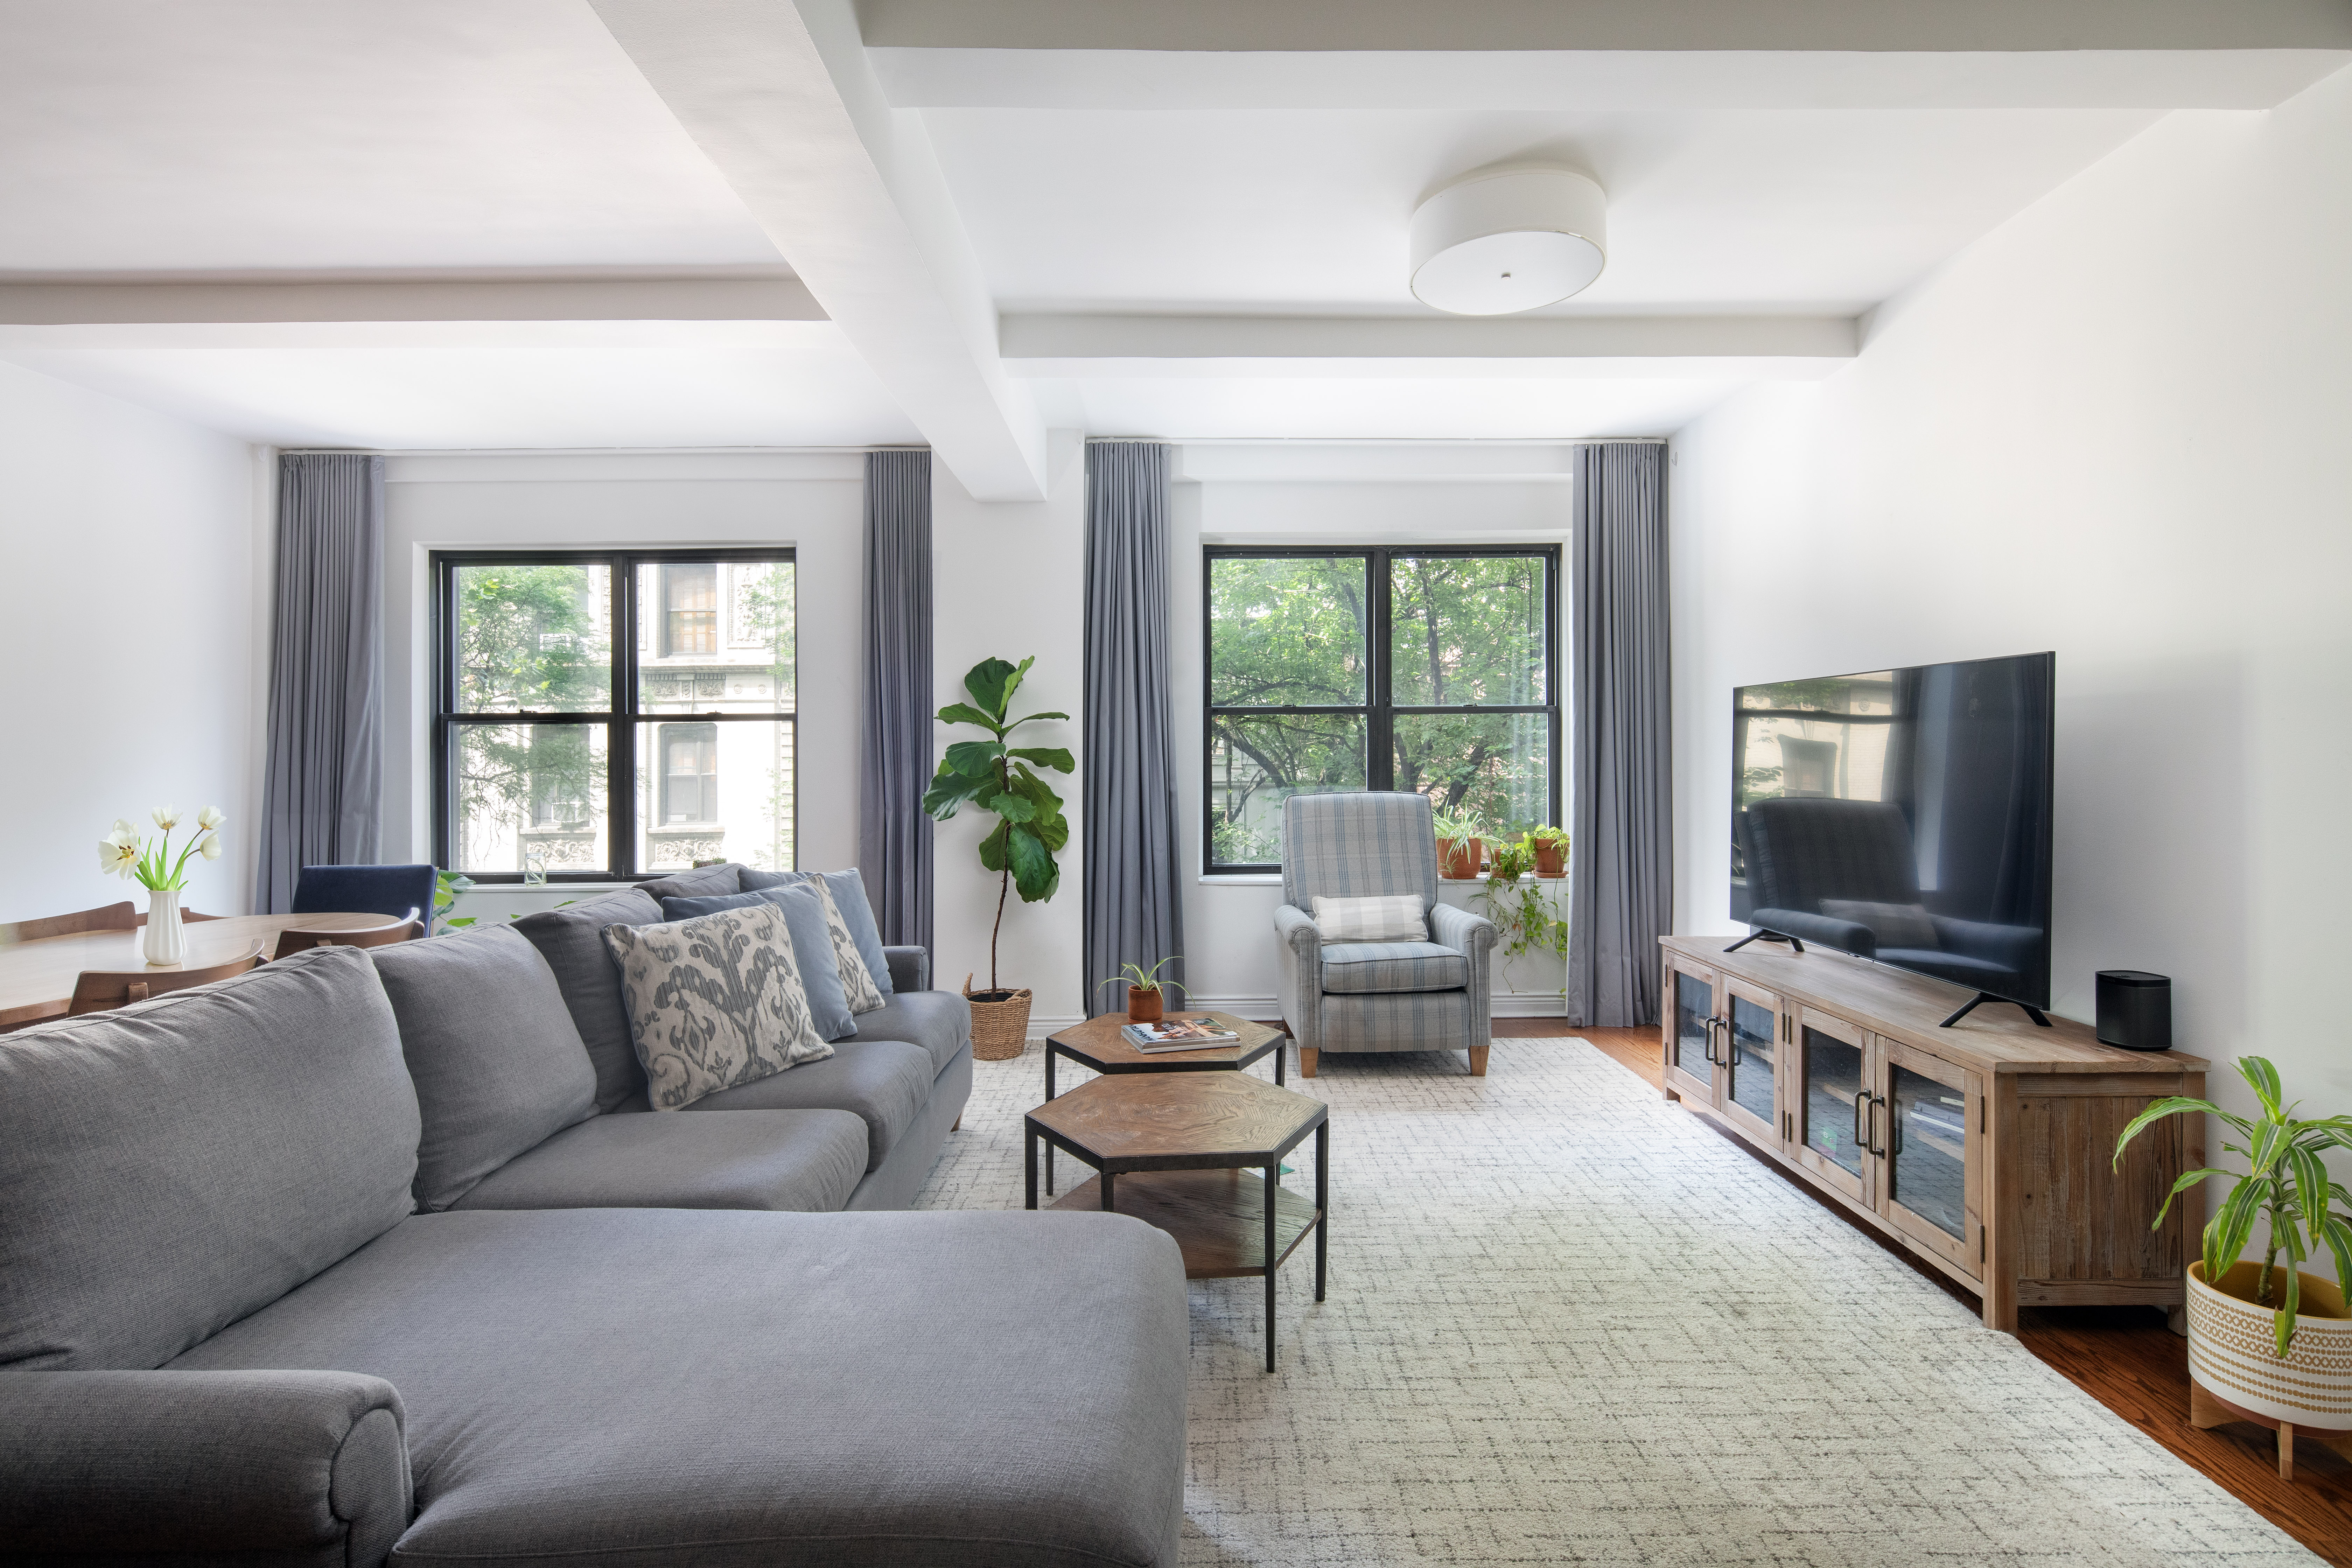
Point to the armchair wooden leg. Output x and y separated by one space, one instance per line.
1307 1055
1478 1061
959 1125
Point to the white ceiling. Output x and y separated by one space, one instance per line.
920 190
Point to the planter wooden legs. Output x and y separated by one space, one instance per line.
1307 1057
1478 1061
2211 1410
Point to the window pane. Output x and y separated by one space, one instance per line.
715 792
531 797
1465 630
1496 766
1256 763
715 637
534 637
1286 633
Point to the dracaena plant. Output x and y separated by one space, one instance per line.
999 776
2288 1185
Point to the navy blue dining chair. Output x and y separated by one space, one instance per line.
393 890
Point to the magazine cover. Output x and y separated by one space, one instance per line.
1194 1031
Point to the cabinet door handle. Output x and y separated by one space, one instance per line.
1877 1104
1861 1098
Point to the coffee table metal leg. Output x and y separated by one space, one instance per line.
1029 1161
1049 1095
1281 1055
1322 1202
1271 1171
1105 1192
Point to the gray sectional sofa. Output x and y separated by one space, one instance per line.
353 1261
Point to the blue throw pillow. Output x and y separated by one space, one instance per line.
828 999
673 910
848 890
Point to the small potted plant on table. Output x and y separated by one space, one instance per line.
1144 989
2266 1344
1460 849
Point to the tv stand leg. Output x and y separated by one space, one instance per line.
2041 1021
1765 934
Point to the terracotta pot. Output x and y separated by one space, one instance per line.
2233 1349
1551 859
1144 1006
1461 859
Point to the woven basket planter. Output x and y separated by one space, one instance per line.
999 1023
2233 1351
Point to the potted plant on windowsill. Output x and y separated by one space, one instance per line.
1521 916
1144 988
1460 849
1549 846
1030 828
2269 1343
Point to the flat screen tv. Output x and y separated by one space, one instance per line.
1904 817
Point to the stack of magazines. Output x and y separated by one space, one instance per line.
1179 1034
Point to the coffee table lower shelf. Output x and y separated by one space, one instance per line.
1218 1217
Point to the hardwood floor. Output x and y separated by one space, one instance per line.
2124 1357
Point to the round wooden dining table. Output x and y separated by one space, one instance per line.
36 978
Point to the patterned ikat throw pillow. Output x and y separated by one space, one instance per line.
714 1001
855 978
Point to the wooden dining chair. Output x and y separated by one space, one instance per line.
113 917
185 916
101 989
293 941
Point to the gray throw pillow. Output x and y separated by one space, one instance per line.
813 948
572 941
852 918
1894 925
699 883
499 1064
714 1001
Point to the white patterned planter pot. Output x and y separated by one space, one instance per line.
2234 1346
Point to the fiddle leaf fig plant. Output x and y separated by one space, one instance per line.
1000 777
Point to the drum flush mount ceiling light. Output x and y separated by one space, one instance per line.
1510 239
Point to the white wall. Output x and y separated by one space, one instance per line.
127 641
1398 492
2120 426
811 501
1009 583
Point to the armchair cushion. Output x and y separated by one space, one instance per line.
1381 968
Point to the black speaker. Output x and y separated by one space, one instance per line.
2135 1009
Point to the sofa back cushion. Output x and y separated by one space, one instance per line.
170 1167
814 950
699 883
498 1065
572 942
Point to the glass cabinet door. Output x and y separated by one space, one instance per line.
1690 1049
1834 1113
1751 1093
1934 1128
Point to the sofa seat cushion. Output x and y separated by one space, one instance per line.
939 1021
1383 968
806 1161
572 942
883 1082
633 1386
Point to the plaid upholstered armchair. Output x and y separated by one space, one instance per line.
1416 991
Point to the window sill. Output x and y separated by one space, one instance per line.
1242 879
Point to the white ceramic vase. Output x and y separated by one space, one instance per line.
165 942
2233 1349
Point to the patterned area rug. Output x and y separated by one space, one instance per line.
1567 1323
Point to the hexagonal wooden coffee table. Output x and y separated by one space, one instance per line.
1100 1044
1171 1148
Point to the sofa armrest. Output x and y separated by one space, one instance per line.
1465 932
910 968
1298 974
165 1465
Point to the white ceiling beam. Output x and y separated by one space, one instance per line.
1749 347
781 99
1671 25
54 304
1595 81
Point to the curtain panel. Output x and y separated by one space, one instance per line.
1621 893
893 834
1133 891
322 795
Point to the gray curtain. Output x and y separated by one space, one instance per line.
1134 894
894 834
1620 895
322 796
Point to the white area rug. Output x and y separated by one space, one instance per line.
1567 1323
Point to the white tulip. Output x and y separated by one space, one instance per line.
167 817
210 848
211 816
117 854
122 832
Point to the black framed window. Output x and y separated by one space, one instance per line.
609 714
1382 667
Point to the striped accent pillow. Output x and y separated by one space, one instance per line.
1392 916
